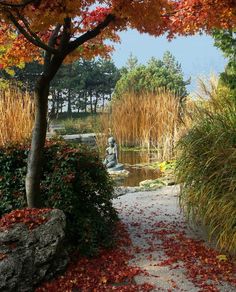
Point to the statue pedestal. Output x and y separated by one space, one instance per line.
118 170
118 167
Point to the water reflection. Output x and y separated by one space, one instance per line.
134 157
134 161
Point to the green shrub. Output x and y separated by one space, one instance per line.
75 181
206 166
72 126
12 172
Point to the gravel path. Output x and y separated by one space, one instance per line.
167 248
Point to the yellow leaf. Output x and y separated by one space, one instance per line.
222 257
103 280
11 72
21 65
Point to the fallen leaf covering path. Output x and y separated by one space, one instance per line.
108 271
155 251
173 256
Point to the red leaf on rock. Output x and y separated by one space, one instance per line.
2 256
31 217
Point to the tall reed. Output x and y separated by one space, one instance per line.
103 130
147 120
16 116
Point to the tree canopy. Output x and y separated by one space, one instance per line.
54 31
28 25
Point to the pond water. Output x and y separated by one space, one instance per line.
133 162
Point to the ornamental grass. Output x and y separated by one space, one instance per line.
148 121
16 116
206 167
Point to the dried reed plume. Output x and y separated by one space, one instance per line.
16 116
103 131
147 120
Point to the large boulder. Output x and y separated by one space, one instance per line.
31 255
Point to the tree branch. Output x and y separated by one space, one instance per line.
33 34
90 34
31 38
53 38
23 4
66 34
51 43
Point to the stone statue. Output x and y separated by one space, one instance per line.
111 159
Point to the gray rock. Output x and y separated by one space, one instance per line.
31 256
121 191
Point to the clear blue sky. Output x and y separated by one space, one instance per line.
197 54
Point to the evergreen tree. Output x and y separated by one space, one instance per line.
226 41
80 86
166 74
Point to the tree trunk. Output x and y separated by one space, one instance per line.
38 140
69 110
53 108
103 102
91 103
34 167
57 103
95 105
78 104
85 103
52 62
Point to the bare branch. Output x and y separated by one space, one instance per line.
53 38
90 34
32 33
31 38
23 4
66 34
51 43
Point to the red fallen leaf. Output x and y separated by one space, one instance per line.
135 224
2 256
149 257
167 262
17 214
107 272
200 262
12 245
137 249
29 216
103 280
13 219
173 284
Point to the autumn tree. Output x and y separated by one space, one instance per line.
54 31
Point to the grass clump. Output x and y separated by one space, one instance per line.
206 167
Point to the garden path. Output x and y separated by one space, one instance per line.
173 255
